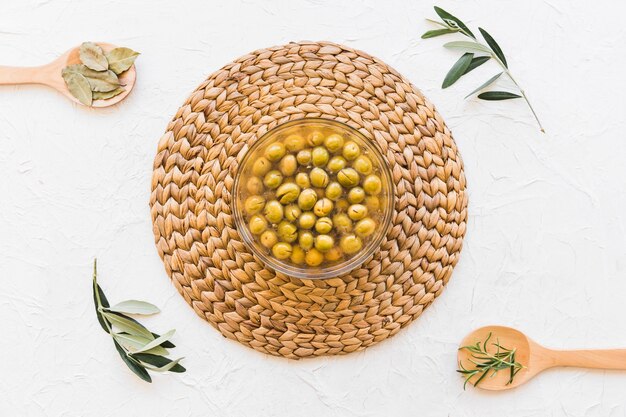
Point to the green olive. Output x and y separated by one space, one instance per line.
336 164
333 142
307 199
342 223
314 257
318 177
297 255
324 243
350 244
334 254
288 165
282 250
258 224
273 179
357 211
363 165
287 232
372 203
365 227
268 238
292 212
356 195
323 207
307 220
324 225
306 240
273 211
294 143
372 184
275 151
342 205
288 192
254 185
334 191
302 179
348 177
315 138
261 166
351 151
254 204
319 156
304 157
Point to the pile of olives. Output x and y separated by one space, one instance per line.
312 197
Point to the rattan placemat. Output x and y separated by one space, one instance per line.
191 199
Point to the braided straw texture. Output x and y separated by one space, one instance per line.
203 253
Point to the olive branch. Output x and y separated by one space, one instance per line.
476 54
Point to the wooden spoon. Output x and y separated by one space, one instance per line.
535 357
50 75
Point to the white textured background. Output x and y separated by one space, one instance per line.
545 248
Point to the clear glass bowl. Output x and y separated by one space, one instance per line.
379 206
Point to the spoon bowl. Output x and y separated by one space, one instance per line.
50 75
534 357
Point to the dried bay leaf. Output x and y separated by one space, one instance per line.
100 81
78 85
93 57
97 95
121 59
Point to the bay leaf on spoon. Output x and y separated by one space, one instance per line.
97 95
93 57
100 81
121 59
79 87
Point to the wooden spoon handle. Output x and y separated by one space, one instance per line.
22 75
599 359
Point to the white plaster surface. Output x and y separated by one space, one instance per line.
545 248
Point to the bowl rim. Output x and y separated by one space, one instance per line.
306 272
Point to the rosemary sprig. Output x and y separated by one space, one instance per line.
140 349
485 362
476 54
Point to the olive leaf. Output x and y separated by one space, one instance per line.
453 21
467 46
485 84
477 61
437 32
457 70
78 85
97 95
140 349
494 46
121 59
498 95
92 56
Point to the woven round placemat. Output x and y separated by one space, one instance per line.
203 253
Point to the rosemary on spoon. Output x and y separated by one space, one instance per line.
140 349
485 363
476 54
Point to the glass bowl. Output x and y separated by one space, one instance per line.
313 161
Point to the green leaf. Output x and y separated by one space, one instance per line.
437 32
127 325
156 342
497 95
457 70
103 299
121 59
485 84
494 46
437 23
158 361
134 366
97 95
78 85
166 344
134 343
467 46
453 21
477 62
135 307
92 56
